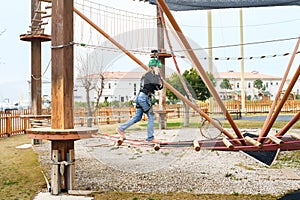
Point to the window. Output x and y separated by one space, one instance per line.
109 85
249 85
134 89
237 85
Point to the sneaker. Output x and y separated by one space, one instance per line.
121 133
155 141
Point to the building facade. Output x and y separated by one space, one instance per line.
271 85
124 86
118 86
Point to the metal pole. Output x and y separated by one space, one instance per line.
210 52
243 99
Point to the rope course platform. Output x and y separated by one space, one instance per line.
30 37
264 153
287 143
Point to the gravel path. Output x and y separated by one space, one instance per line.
100 165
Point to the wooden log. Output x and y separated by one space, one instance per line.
156 147
40 12
275 139
227 143
253 142
295 136
55 173
196 145
120 141
42 24
47 1
45 16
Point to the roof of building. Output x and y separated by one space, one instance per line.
117 75
123 75
247 75
253 75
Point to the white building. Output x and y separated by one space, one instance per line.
271 83
123 86
118 86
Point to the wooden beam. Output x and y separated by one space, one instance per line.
253 142
275 139
62 76
227 143
295 135
196 145
265 129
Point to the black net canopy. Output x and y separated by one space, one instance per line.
182 5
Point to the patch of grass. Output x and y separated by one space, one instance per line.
245 166
195 122
288 159
178 196
20 172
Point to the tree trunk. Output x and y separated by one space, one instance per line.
186 115
89 114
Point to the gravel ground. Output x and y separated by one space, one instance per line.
102 166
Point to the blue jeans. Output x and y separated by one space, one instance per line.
143 103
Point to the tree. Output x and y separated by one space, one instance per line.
225 84
199 89
91 79
195 85
258 84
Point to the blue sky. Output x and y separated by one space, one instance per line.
260 24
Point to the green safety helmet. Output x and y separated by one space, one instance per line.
155 63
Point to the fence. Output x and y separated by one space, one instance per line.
12 122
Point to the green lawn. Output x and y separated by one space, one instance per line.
20 172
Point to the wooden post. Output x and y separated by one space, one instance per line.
36 67
36 80
62 80
8 126
162 94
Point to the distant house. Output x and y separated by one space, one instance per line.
118 86
271 84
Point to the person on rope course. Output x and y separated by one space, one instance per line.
151 81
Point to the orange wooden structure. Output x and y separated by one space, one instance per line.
62 132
